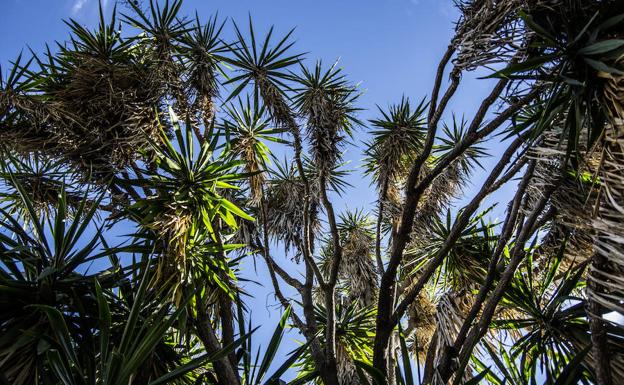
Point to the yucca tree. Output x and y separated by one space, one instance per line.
189 220
326 99
187 203
554 330
544 312
163 30
202 52
102 105
133 355
263 63
354 337
397 141
172 195
39 272
247 130
119 128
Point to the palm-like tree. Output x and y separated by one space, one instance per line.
100 101
187 202
464 265
544 311
326 99
40 272
202 52
397 141
246 130
90 142
263 63
164 31
354 341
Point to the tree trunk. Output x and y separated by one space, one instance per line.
225 371
598 328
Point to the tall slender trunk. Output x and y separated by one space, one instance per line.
225 371
382 197
598 327
330 287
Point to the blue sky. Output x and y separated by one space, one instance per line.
391 46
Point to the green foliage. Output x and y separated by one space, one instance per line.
553 319
464 265
116 132
397 140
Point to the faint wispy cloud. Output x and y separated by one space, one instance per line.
78 6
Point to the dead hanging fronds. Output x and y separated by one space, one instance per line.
612 97
437 197
609 237
452 308
202 52
246 129
421 318
574 201
358 267
347 371
92 103
325 99
488 32
357 276
285 198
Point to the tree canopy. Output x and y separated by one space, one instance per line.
154 124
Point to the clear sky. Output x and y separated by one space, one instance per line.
391 46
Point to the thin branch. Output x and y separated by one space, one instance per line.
450 50
517 255
330 327
506 233
311 264
380 208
